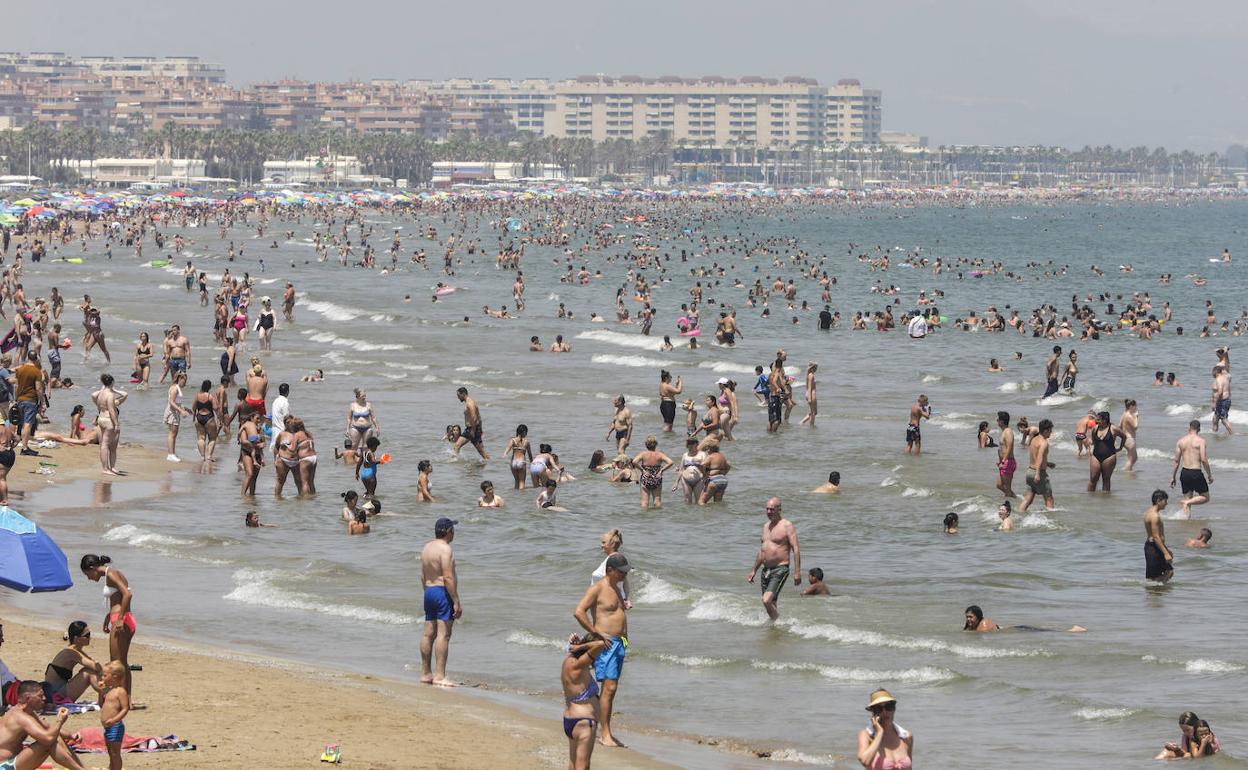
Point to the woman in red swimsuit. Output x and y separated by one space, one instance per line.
119 623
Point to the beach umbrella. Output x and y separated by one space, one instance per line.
29 560
26 202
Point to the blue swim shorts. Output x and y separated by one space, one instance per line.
115 733
438 605
611 660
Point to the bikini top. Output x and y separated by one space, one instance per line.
590 691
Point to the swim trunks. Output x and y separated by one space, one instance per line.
115 733
1155 564
1193 480
472 433
668 410
913 434
774 579
1007 467
610 661
177 365
438 605
1050 388
1222 409
1039 483
29 412
775 408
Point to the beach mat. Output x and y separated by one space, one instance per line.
91 741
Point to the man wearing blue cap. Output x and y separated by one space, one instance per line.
442 608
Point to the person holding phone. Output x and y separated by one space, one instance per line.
884 744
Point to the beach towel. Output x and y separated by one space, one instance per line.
91 741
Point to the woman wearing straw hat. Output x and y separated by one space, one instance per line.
884 745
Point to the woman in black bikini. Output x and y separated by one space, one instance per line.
204 409
142 360
8 439
1105 441
59 678
264 325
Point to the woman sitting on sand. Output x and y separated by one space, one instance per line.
60 682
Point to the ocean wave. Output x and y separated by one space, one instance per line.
1099 714
1058 399
1015 387
347 342
636 361
409 367
656 590
1038 521
916 492
726 367
918 675
1197 665
528 639
1153 454
255 587
132 535
619 338
332 311
931 378
728 609
632 400
888 481
800 758
1235 465
467 368
1101 404
1181 410
695 661
851 636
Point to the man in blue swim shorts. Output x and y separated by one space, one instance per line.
601 611
442 608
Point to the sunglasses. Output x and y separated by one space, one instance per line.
883 707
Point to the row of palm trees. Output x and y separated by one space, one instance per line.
240 155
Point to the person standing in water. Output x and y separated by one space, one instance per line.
1191 455
442 606
919 411
1051 367
812 403
1158 559
1129 424
472 424
622 425
1038 467
1006 464
778 553
601 612
667 398
1222 398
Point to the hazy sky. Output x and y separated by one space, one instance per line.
1069 72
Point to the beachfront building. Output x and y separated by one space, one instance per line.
54 65
450 172
127 171
313 169
710 110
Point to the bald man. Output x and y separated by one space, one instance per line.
777 555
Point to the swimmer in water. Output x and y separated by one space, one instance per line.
1003 513
831 486
1201 540
951 523
488 499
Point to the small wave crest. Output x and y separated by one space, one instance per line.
332 311
1098 714
918 675
255 587
619 338
132 535
527 639
635 361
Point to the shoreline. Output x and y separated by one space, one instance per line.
519 739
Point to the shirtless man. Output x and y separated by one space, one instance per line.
601 611
919 411
1190 453
442 608
1221 398
1158 559
257 387
107 399
1006 464
177 351
831 487
1038 467
472 424
1050 371
779 546
22 723
775 395
622 425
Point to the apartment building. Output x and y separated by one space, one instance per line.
50 65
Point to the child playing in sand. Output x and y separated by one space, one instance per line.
114 705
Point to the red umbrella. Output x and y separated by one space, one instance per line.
33 210
177 194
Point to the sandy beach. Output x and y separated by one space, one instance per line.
242 711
